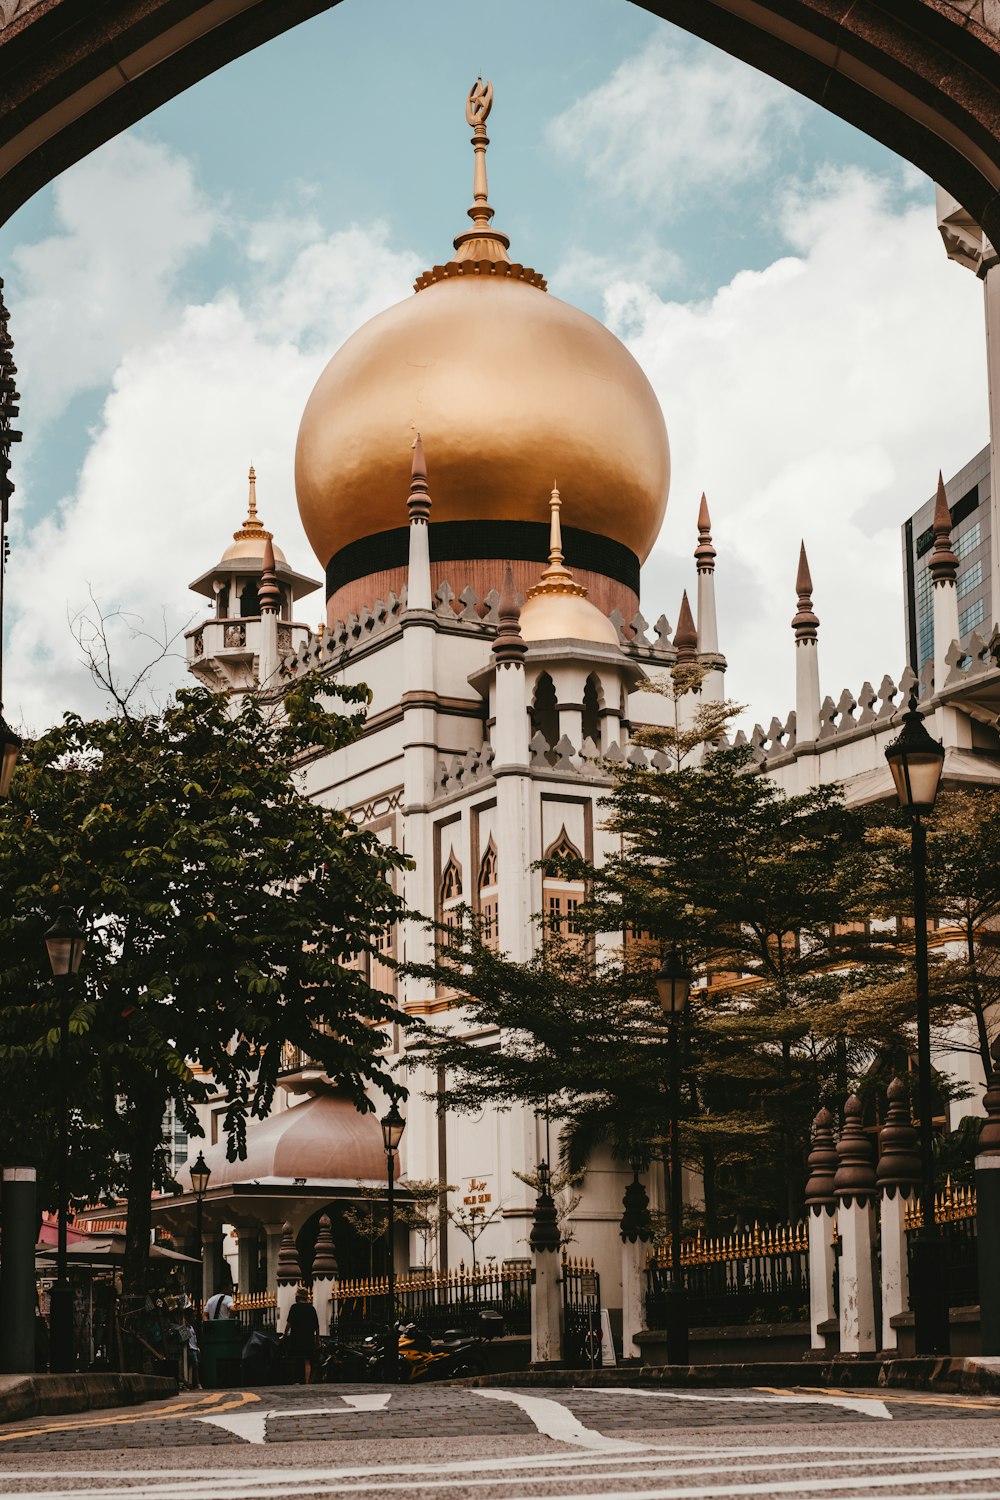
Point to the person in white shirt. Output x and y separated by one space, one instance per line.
219 1306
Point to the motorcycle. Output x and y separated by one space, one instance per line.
420 1357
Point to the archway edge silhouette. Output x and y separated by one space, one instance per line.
921 76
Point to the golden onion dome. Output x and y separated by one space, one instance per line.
557 608
504 382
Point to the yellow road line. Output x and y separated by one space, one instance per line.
212 1403
924 1398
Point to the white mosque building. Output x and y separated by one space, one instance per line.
481 472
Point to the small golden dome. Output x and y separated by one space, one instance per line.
504 381
557 608
249 540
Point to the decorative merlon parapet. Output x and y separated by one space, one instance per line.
975 656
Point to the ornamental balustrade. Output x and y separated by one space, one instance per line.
955 1217
581 1332
436 1302
758 1275
256 1310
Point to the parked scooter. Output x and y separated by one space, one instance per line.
423 1358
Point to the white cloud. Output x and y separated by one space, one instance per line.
163 485
676 118
128 218
816 398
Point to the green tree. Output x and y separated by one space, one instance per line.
225 911
963 893
760 892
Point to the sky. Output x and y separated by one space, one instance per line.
777 274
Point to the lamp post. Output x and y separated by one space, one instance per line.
393 1126
673 988
64 941
916 761
200 1173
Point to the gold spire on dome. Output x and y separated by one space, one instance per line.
252 529
482 241
249 540
557 607
481 250
557 578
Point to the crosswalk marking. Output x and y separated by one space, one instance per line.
550 1471
252 1426
866 1405
553 1420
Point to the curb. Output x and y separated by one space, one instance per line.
24 1396
979 1377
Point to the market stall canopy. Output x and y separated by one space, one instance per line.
104 1250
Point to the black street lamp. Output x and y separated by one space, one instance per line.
64 941
393 1126
916 761
673 988
200 1173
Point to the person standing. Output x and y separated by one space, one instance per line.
219 1306
302 1332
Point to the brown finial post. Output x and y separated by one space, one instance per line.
854 1184
546 1299
636 1229
943 563
704 556
509 647
685 635
269 595
988 1210
289 1273
898 1176
324 1273
822 1206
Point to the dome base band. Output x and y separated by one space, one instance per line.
454 541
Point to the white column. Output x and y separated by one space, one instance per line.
273 1234
286 1296
323 1288
247 1260
267 649
855 1225
546 1310
635 1254
854 1185
821 1270
895 1273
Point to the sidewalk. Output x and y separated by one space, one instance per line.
51 1395
969 1377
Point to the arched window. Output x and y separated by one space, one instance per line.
249 600
592 702
489 898
561 896
450 897
544 711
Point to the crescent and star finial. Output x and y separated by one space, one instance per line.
479 103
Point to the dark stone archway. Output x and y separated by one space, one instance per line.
922 76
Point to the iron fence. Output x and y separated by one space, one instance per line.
955 1217
492 1299
757 1276
582 1334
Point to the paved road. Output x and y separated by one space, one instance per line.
439 1444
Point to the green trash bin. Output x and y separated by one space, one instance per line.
221 1343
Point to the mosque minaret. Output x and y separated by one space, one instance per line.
491 603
